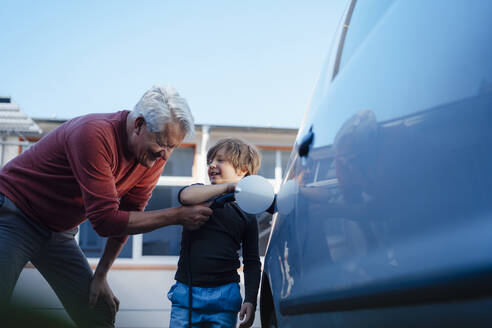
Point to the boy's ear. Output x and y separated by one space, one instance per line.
242 172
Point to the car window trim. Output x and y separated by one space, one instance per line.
346 25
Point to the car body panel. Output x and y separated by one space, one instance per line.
390 212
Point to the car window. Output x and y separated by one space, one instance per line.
365 15
350 36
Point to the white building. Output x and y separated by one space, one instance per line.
17 130
144 271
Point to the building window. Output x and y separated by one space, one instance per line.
93 245
165 241
180 163
285 155
272 161
268 158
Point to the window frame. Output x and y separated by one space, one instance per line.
346 25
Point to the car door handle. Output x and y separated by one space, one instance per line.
306 143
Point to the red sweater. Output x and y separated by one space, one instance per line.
81 170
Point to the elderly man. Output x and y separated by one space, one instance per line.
100 167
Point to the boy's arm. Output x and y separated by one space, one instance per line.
252 272
197 194
251 262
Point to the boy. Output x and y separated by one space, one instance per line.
209 256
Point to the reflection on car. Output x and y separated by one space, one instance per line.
384 217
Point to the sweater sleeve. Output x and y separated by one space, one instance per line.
90 155
251 260
136 199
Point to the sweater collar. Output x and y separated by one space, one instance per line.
124 135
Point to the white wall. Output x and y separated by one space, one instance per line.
142 295
9 148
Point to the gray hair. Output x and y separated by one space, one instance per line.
161 105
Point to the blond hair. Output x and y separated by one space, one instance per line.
241 155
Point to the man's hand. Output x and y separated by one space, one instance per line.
194 216
247 310
100 288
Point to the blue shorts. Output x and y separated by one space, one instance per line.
212 306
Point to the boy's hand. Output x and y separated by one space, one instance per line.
249 310
194 216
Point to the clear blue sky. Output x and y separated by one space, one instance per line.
236 62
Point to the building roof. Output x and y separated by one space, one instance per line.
49 124
13 121
253 129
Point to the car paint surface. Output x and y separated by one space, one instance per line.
388 220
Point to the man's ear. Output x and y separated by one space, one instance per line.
139 124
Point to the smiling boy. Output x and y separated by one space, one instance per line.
209 256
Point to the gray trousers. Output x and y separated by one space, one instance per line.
58 258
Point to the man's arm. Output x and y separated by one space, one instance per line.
99 286
92 168
196 194
190 217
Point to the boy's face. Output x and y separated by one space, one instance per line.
220 170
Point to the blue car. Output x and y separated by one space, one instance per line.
385 212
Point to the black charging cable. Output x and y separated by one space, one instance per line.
190 289
218 202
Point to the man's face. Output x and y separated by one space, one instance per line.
150 146
220 170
